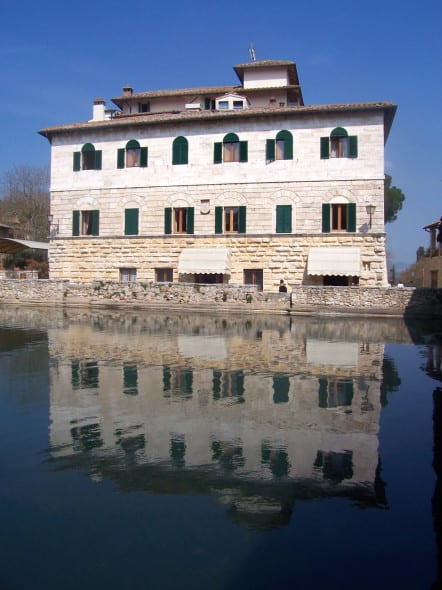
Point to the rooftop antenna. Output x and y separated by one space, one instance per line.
252 53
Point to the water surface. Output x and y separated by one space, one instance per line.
167 450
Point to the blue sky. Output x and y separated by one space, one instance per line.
56 58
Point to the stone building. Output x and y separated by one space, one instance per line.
239 184
427 270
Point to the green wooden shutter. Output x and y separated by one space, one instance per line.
243 151
120 157
131 222
180 151
288 147
187 380
352 217
281 388
323 392
217 152
190 220
270 150
242 220
325 148
218 220
207 104
353 146
97 160
75 223
77 161
287 137
143 157
168 220
348 393
95 223
325 218
283 219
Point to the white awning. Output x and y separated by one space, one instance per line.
339 260
209 348
204 261
335 354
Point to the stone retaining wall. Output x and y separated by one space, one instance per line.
242 298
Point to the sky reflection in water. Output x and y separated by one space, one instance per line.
155 450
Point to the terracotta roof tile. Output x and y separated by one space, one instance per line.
147 119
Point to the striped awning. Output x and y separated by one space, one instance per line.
336 260
204 261
10 245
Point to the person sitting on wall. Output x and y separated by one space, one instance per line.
282 287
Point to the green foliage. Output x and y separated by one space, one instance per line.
28 260
393 200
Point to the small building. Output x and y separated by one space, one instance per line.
240 184
432 263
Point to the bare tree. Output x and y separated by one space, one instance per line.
25 201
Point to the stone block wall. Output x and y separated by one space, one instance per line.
83 260
309 300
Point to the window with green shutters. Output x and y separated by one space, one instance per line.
85 223
132 156
87 159
335 392
130 379
283 219
230 220
339 145
280 148
338 217
131 222
179 220
231 149
180 151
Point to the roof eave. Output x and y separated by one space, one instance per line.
389 110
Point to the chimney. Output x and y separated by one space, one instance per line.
127 91
98 110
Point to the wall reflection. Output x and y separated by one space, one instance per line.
261 412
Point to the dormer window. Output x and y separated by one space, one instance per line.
230 102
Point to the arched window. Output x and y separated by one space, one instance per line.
132 153
280 148
88 159
284 146
231 149
339 145
132 156
180 151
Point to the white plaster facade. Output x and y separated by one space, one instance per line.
305 181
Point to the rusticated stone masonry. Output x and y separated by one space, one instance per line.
233 298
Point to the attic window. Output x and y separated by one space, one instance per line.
231 102
144 107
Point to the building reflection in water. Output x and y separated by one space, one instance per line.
433 368
260 412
